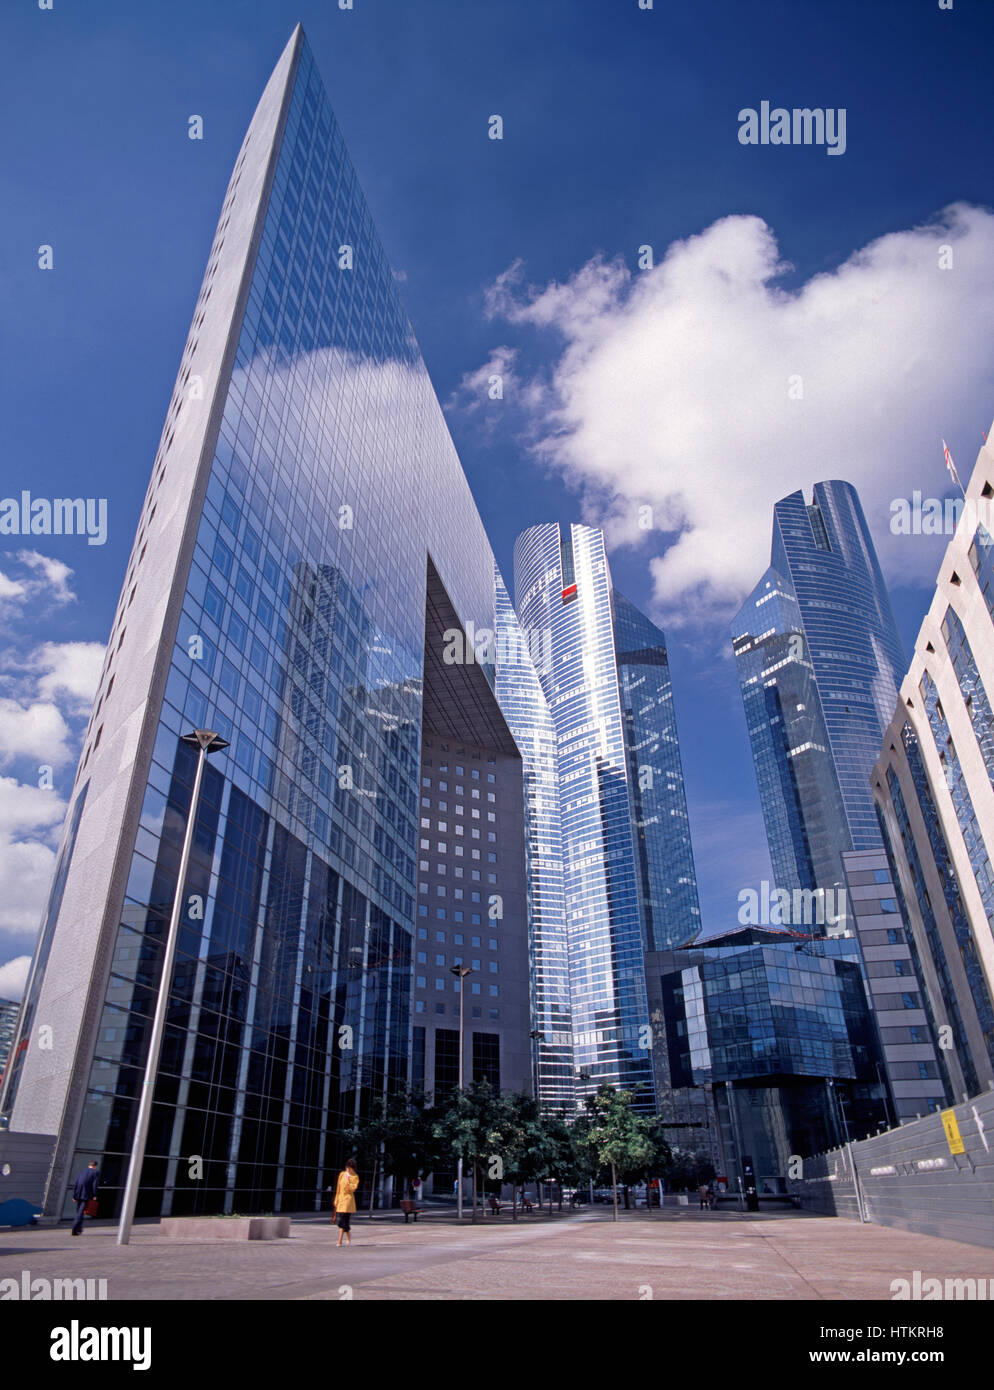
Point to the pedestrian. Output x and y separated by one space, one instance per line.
348 1181
84 1191
702 1193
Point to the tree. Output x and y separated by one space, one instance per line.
560 1163
619 1138
657 1162
474 1125
524 1145
399 1133
688 1169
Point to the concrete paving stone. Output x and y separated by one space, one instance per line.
680 1255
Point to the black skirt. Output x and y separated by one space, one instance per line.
344 1220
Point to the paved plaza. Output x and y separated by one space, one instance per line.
680 1254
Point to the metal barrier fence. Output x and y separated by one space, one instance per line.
934 1176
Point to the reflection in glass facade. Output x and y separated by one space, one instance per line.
304 488
819 661
9 1013
655 778
776 1026
628 867
758 1012
523 702
825 552
798 787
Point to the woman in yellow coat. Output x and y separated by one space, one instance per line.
348 1181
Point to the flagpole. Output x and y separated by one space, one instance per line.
952 468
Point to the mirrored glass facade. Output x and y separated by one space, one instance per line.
304 491
522 699
655 778
819 661
628 866
825 552
775 1028
799 791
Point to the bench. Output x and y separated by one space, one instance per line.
409 1208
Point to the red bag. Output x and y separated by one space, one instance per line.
91 1207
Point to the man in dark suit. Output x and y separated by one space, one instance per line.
87 1183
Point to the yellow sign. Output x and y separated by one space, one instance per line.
953 1137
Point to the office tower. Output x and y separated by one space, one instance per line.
9 1012
307 543
917 1075
667 878
933 785
774 1025
819 660
627 865
522 699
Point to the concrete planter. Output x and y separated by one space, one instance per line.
225 1227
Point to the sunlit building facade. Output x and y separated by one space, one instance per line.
306 547
933 787
819 660
775 1026
628 871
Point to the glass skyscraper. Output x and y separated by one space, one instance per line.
819 661
628 870
775 1024
307 542
519 689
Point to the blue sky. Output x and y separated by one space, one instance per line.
620 130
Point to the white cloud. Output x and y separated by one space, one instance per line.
672 390
53 575
10 589
24 807
14 977
26 868
46 582
474 390
30 821
35 730
70 669
45 692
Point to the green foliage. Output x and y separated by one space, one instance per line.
400 1133
612 1136
688 1170
503 1138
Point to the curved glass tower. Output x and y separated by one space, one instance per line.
824 551
819 661
628 869
519 689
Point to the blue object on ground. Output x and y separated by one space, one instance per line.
17 1212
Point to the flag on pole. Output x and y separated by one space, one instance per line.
952 467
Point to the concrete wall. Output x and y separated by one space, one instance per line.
29 1157
910 1179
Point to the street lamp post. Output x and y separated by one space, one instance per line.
536 1038
585 1076
206 741
852 1158
460 971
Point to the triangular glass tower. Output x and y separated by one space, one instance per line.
306 527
